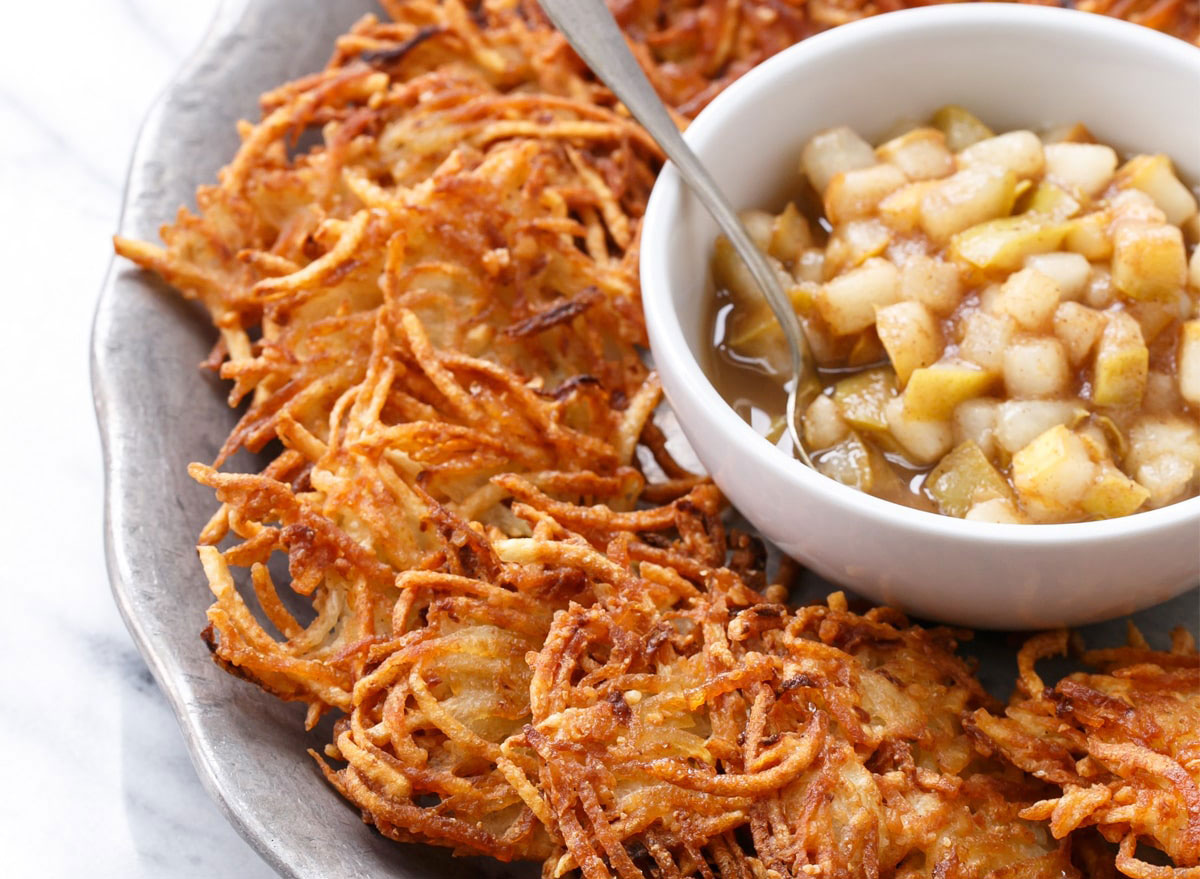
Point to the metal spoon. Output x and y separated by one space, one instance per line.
593 33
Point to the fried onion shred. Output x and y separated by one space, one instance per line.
469 543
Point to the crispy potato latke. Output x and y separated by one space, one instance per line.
620 704
1123 746
470 543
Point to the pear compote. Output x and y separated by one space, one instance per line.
1007 325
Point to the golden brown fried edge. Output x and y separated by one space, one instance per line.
1122 746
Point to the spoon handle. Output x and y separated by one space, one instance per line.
593 33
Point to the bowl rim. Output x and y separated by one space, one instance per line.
665 202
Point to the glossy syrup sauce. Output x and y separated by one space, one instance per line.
755 391
756 394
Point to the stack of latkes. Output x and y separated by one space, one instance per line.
538 637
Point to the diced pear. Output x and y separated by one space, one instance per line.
854 242
1029 298
1073 132
866 350
1020 422
932 282
832 152
1188 359
1113 494
1019 151
1148 261
848 302
1078 328
1164 456
967 198
1100 292
810 265
961 127
885 482
1053 473
1153 435
997 510
758 226
1153 317
1036 366
1168 478
1004 244
733 275
846 462
902 209
1069 270
753 330
860 399
828 350
823 424
746 327
933 392
985 340
922 441
1154 176
1135 206
1088 236
1086 168
1049 199
1122 363
988 297
854 194
1194 269
910 335
803 296
1096 433
975 420
755 333
964 478
789 234
921 154
856 463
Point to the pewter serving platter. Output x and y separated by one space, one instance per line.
158 412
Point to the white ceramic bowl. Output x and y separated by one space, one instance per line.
1018 67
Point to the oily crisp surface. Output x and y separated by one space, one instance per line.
470 543
1122 746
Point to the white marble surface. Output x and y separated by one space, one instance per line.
97 780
